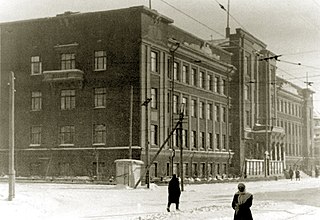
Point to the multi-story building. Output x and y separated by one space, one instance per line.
316 131
74 74
270 117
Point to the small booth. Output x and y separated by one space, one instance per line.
128 171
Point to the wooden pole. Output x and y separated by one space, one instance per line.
11 140
131 113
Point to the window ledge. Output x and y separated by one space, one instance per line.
100 107
34 145
99 70
66 145
99 144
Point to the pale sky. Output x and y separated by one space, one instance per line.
289 27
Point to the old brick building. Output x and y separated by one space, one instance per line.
74 74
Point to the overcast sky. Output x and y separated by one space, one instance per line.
289 27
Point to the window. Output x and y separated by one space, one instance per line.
194 139
194 170
185 105
193 108
209 111
154 134
224 142
217 141
154 98
36 101
68 99
68 61
99 134
185 138
184 74
247 64
248 118
201 110
209 82
202 142
154 170
201 79
209 141
202 169
100 60
176 71
67 135
35 135
175 139
247 92
194 77
217 111
224 114
154 61
100 97
175 103
36 65
216 84
186 169
224 87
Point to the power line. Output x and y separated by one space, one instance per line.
194 19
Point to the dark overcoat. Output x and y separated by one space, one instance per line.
244 212
174 190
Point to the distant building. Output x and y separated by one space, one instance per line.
73 75
316 123
271 118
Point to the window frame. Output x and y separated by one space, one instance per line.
36 64
100 59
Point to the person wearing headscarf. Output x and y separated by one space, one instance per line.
174 192
241 203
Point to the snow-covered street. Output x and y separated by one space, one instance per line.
282 199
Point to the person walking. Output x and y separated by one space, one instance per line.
297 174
241 203
291 173
174 192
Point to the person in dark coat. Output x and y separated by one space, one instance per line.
291 173
174 192
297 174
241 203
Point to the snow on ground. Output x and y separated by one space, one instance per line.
204 201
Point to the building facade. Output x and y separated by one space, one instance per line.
271 117
74 74
316 123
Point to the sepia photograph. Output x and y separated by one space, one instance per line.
159 109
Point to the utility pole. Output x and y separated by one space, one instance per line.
131 113
181 149
156 155
172 51
11 139
146 103
228 22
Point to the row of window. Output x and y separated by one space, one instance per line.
68 61
200 170
191 76
67 135
182 106
200 141
289 108
68 99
